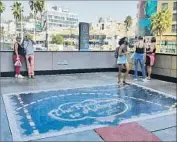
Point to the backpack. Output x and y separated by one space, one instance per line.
116 53
23 48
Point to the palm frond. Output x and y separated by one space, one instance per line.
2 7
161 21
128 22
16 10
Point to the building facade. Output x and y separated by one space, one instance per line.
58 17
146 9
172 6
169 38
109 31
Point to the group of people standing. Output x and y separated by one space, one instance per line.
143 53
24 51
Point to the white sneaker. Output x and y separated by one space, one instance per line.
20 76
16 76
135 79
144 80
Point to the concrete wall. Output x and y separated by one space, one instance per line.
165 65
45 61
63 60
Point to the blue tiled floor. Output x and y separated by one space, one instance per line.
70 81
41 112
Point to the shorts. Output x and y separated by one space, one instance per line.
122 60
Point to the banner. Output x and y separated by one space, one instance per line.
83 36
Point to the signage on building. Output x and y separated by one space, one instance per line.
38 27
83 36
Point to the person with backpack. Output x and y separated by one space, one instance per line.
28 45
121 56
139 57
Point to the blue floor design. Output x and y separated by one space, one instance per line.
55 111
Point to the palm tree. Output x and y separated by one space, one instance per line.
17 11
2 7
40 7
128 24
37 6
31 4
160 22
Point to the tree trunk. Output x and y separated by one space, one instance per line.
21 25
160 41
16 27
34 28
41 21
47 36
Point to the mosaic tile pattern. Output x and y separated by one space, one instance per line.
48 113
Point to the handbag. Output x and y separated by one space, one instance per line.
132 56
18 63
24 48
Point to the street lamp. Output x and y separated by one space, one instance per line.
3 37
47 32
21 23
31 3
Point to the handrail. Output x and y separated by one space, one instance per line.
170 54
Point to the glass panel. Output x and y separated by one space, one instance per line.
174 17
164 5
174 28
174 6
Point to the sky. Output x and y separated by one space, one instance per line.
88 11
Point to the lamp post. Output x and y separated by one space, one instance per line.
31 3
47 35
22 23
34 20
3 37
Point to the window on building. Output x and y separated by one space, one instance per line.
62 18
174 17
174 5
164 5
174 28
49 16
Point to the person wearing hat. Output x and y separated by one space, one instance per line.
28 45
18 57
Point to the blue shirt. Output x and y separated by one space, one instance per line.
28 45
